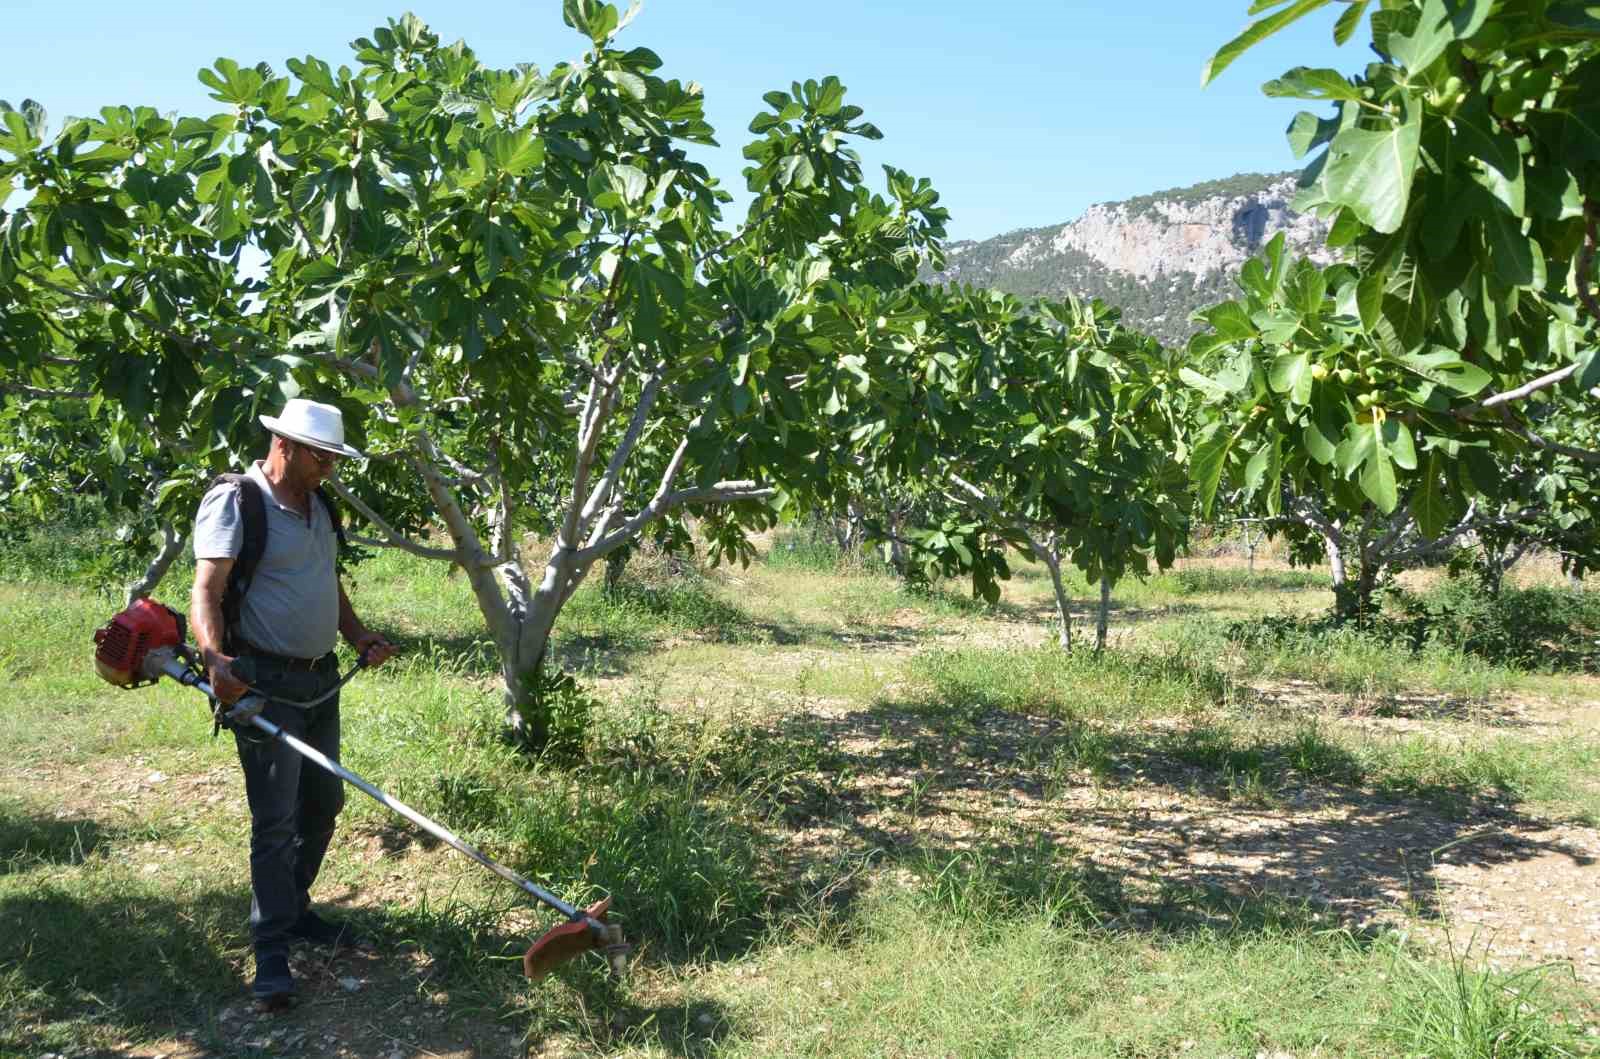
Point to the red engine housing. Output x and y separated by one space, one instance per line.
120 646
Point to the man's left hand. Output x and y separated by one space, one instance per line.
375 648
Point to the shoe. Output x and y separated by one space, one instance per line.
274 985
318 931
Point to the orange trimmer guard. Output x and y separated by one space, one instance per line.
571 939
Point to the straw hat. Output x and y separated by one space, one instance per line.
319 425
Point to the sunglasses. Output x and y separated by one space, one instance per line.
324 459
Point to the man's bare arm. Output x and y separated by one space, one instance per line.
205 618
374 646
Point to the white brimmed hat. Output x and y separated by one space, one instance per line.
319 425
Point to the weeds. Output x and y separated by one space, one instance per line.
1223 580
1359 663
1025 882
1459 1009
1541 629
1075 684
628 615
1505 767
72 551
805 548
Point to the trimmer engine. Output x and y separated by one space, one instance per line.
131 649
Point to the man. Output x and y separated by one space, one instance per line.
282 644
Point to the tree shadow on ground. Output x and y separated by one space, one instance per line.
1136 612
607 653
604 1011
872 636
129 964
616 652
98 966
1174 811
1085 613
1289 699
27 840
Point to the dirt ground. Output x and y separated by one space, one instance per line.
1513 888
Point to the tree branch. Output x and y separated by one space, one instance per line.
572 360
504 626
35 391
1538 442
749 226
721 493
1543 382
1303 510
464 475
401 544
608 480
597 409
608 308
1399 522
1470 522
96 297
502 545
355 368
604 524
171 547
392 538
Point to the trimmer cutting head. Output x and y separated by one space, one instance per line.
572 939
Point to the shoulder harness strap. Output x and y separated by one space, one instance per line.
253 512
333 517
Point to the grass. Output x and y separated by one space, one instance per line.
1347 661
1221 580
1456 1008
928 971
836 818
1451 773
1077 684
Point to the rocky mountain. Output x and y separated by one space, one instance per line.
1159 256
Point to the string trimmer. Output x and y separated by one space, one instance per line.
146 642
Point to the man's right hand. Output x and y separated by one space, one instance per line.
219 673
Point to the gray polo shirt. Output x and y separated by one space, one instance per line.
292 606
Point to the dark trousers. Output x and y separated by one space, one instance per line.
293 802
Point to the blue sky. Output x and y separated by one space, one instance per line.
1021 114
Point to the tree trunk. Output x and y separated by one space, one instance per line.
1048 555
1494 569
854 535
1344 605
521 665
1105 614
171 547
897 548
616 565
1358 601
1335 560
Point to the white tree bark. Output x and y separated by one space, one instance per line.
1049 554
171 547
1332 542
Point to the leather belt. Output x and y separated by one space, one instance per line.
287 661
